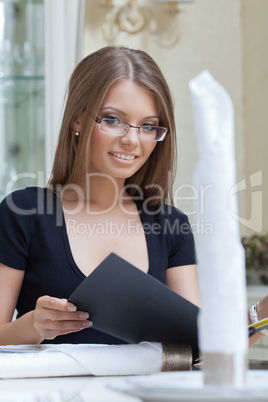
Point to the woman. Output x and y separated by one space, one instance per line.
113 170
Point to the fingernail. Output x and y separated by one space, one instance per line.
86 323
83 316
72 308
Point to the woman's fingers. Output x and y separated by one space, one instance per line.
53 317
55 303
50 314
59 309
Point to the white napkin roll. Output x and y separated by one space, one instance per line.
30 361
222 320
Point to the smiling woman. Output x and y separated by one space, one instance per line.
110 192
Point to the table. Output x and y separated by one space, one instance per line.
160 387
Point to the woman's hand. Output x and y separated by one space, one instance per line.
53 317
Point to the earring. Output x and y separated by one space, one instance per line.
76 132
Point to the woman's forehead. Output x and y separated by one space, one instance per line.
127 94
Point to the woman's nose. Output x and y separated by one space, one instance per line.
131 137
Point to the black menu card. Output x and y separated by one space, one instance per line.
125 302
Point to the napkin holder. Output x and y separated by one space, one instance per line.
176 357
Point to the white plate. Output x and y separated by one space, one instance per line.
188 387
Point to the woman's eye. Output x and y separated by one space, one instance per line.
111 120
148 128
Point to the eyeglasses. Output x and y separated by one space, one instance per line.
113 126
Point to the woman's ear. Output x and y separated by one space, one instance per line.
77 124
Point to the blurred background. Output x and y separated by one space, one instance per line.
41 41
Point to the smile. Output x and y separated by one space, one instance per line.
123 156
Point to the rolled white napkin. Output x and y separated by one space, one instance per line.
30 361
222 321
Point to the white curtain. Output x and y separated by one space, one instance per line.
64 31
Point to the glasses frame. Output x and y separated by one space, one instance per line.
128 126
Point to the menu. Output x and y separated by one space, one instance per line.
125 302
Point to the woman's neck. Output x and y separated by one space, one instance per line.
101 192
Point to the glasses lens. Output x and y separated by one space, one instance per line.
112 126
153 133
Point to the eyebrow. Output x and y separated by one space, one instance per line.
125 114
115 109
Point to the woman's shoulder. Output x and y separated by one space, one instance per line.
26 201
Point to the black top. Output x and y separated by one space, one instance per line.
33 238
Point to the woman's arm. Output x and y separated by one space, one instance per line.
183 280
21 331
51 317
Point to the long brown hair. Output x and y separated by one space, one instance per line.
88 85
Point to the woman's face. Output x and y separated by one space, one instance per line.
121 156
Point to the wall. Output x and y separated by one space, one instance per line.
255 73
212 37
